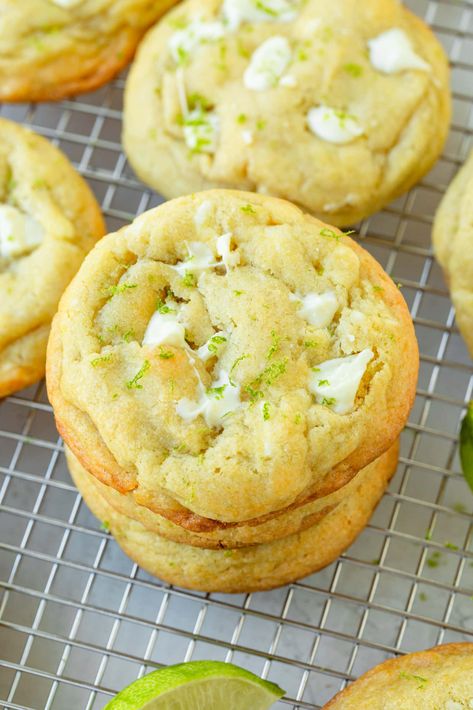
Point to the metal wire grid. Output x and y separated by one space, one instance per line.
79 620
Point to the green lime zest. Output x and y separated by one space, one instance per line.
420 680
135 382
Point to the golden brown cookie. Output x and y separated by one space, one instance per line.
336 106
440 678
453 244
226 356
50 49
288 523
246 569
49 220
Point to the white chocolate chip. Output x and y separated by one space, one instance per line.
19 233
268 63
335 382
392 52
288 80
229 258
213 346
236 12
68 3
214 404
334 126
164 328
318 309
200 258
183 42
201 130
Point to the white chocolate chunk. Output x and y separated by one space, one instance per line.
164 328
183 42
229 258
247 137
203 213
200 258
336 382
392 52
201 130
288 80
214 346
19 233
268 63
454 705
68 3
214 404
236 12
334 126
318 309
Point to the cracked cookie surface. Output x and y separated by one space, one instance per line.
226 356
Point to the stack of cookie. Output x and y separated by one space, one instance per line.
230 377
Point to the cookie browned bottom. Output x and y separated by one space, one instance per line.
246 569
288 523
441 677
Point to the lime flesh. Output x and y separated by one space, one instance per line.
198 685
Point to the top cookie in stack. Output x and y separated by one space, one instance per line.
337 106
226 357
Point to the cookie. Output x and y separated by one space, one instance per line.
453 245
50 49
226 356
293 521
247 569
441 677
49 220
338 107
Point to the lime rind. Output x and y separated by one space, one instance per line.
466 445
162 682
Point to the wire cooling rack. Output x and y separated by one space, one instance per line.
79 620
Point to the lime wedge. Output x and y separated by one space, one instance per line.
198 685
466 445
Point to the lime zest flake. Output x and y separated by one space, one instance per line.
135 383
235 364
353 69
189 280
217 392
119 288
214 342
165 354
276 339
420 680
162 307
102 360
249 209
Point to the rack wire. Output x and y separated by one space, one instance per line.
78 620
